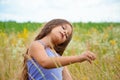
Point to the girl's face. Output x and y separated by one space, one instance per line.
60 33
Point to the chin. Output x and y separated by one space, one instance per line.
61 42
58 41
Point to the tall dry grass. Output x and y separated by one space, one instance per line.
104 42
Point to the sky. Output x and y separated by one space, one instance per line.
71 10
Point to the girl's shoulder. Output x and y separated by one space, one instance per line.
36 44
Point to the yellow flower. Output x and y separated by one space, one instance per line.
23 34
112 42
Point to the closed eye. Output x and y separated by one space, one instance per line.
63 27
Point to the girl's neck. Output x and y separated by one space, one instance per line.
48 42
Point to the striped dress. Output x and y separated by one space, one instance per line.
37 72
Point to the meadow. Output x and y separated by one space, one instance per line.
101 38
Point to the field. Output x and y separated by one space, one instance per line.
101 38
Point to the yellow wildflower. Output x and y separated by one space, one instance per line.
23 34
112 42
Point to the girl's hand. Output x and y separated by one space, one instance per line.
87 56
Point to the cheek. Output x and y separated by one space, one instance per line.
58 39
62 39
54 34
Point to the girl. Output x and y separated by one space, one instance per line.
44 60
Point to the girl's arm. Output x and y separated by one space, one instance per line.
66 74
38 52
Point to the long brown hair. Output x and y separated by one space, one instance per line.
44 32
47 29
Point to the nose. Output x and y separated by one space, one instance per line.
65 32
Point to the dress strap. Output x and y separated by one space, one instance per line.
42 43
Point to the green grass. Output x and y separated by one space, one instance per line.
12 26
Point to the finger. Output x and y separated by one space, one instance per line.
92 55
89 60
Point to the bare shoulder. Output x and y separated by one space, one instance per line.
37 51
35 46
